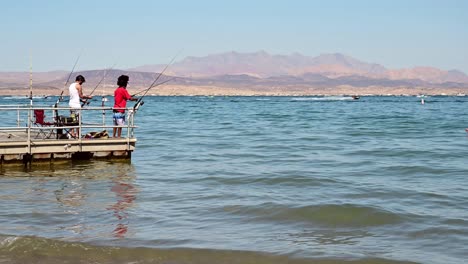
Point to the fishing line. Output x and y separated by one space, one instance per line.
85 101
161 83
139 101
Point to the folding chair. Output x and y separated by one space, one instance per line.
40 122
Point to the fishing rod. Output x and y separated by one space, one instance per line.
161 83
30 93
139 101
85 101
68 79
30 82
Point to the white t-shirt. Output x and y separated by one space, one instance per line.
74 96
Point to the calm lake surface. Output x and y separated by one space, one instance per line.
255 180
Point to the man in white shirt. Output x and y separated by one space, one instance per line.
76 95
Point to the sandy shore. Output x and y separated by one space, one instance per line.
177 90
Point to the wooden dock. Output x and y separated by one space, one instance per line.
29 144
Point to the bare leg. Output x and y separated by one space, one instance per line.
72 132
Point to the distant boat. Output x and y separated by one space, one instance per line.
38 97
422 96
355 97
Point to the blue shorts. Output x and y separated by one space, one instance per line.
119 119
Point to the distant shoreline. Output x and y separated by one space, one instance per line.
177 90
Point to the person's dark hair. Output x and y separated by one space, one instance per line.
122 81
80 78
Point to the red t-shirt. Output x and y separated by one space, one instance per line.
120 99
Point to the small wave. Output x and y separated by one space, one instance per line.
14 97
24 97
438 231
41 250
327 98
415 169
456 222
335 215
268 181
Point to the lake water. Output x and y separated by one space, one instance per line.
255 180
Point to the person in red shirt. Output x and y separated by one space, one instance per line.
121 96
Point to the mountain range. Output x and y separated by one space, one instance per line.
260 73
261 64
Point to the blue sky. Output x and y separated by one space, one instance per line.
396 34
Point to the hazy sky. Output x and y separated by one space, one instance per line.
396 34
